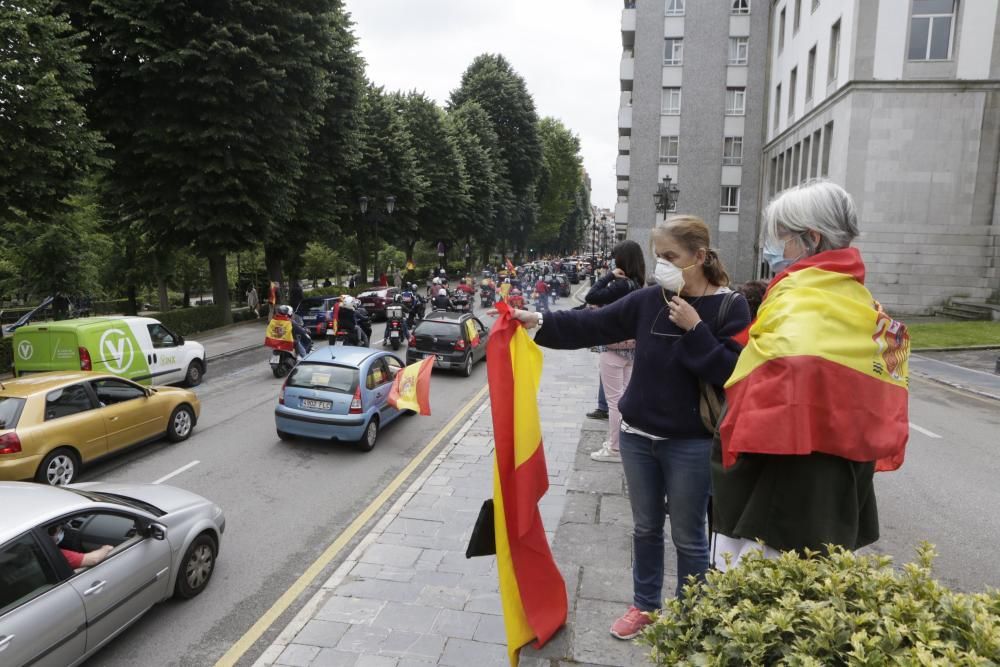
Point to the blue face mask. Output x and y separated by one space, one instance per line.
774 254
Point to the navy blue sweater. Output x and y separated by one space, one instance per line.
662 396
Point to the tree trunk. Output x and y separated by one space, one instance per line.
220 285
161 285
363 258
272 261
410 246
187 297
132 308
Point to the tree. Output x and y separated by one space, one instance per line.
439 161
210 108
476 142
563 174
46 144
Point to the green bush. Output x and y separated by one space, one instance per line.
838 609
187 321
6 354
116 307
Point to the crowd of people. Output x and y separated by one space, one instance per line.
663 347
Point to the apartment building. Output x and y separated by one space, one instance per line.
899 102
693 96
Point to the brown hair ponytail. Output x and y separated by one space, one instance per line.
715 271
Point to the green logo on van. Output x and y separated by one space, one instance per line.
117 349
25 349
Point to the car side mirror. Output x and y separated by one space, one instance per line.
157 531
180 340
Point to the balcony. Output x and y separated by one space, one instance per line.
621 214
623 166
628 27
627 72
623 188
625 121
624 144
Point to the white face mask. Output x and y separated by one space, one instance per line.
669 276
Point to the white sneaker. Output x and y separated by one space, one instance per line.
605 453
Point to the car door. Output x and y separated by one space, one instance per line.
133 578
42 619
378 383
393 368
484 335
71 419
163 355
130 416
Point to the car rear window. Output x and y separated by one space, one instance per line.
310 306
325 377
441 329
10 410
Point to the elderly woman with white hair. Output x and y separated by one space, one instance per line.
818 401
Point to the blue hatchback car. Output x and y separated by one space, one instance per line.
339 393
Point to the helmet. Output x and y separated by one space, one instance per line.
436 281
442 292
285 310
413 286
348 301
441 271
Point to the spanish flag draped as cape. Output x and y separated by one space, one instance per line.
823 369
278 335
532 590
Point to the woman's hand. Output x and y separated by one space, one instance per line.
618 273
683 314
526 317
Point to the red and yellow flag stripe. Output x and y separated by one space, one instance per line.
532 590
824 369
412 387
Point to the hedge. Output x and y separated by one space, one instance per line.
6 354
187 321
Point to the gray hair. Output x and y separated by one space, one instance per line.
817 205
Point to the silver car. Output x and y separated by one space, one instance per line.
165 542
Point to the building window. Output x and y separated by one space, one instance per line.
777 106
931 26
741 6
810 73
674 8
738 50
732 151
673 51
806 156
730 199
736 101
815 5
797 17
670 102
834 52
792 83
670 150
781 30
824 169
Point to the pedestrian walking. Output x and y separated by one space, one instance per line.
616 359
253 301
397 279
665 447
818 400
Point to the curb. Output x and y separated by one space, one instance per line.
959 386
956 348
233 353
327 588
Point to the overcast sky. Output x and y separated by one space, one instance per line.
568 52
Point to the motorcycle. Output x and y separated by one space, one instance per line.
282 361
394 325
356 331
487 296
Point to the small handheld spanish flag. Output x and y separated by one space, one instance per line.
412 388
510 267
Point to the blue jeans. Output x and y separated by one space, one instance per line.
679 471
602 402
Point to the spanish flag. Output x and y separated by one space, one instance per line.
532 590
279 334
510 267
470 328
412 387
824 369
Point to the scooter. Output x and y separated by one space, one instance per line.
394 325
487 297
282 362
460 302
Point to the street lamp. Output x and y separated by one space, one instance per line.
390 205
665 196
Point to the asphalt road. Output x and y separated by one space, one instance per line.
285 502
948 490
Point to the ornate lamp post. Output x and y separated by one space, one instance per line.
665 196
390 205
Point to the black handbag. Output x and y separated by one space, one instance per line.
712 399
483 541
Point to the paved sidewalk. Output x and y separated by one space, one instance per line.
407 596
232 339
970 370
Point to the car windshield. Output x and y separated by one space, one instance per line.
310 306
128 501
325 377
440 329
10 409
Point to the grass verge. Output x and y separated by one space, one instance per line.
953 334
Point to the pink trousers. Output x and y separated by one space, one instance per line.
616 371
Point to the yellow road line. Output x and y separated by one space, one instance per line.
244 643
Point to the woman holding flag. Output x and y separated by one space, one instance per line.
665 448
818 400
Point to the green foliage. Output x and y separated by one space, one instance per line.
47 144
953 334
319 262
838 609
557 190
186 321
476 143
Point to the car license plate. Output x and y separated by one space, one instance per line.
275 357
316 405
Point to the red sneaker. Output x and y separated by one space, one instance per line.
631 624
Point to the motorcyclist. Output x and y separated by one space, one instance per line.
413 304
441 300
354 319
302 339
400 300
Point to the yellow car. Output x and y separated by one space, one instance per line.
53 423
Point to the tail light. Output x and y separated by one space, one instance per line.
85 363
319 328
10 443
460 344
413 340
356 402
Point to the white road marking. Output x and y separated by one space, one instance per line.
177 472
921 429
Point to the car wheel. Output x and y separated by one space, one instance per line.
467 369
197 567
367 442
194 374
284 436
181 423
59 468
